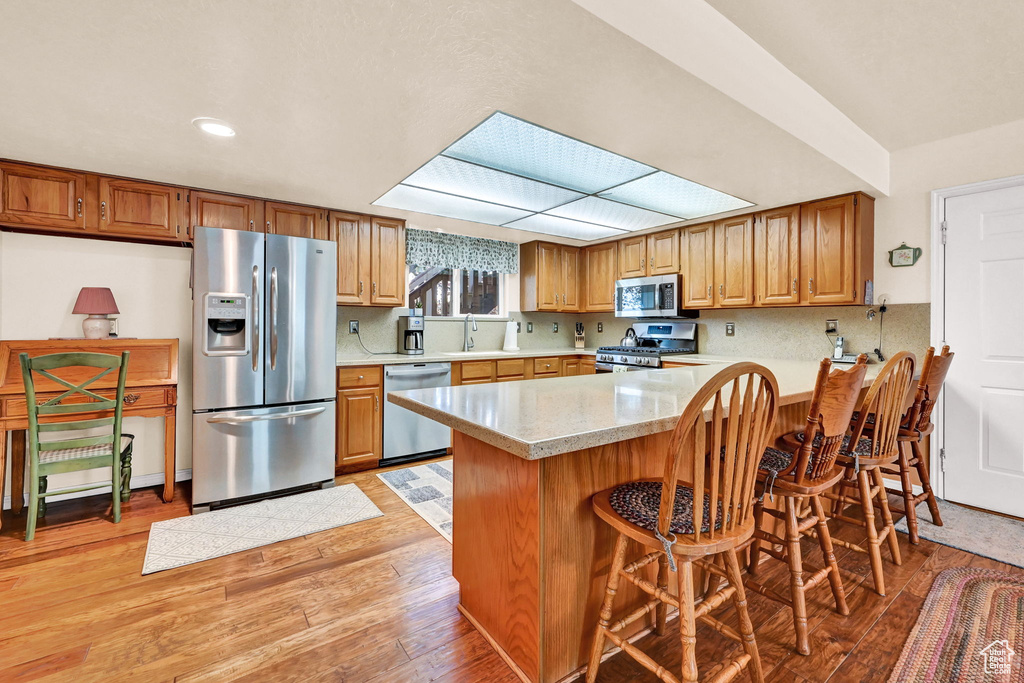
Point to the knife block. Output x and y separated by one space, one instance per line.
580 342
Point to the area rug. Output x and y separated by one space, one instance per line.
971 630
427 489
186 540
992 536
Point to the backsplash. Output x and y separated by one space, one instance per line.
760 332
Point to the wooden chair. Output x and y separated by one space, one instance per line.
916 426
731 417
800 477
867 450
73 454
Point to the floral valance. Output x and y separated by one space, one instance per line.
441 250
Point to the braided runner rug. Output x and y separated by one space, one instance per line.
971 630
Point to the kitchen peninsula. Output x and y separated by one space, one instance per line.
528 552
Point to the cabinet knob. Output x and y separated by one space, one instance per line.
376 403
252 225
810 285
721 290
360 377
360 288
556 299
268 226
103 211
709 291
373 289
794 286
79 204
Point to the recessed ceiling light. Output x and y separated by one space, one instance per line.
213 126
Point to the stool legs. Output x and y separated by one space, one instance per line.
825 541
732 565
874 542
604 621
755 544
908 493
687 621
661 611
888 528
926 483
796 577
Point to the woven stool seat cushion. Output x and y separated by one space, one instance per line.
61 454
638 503
775 460
863 446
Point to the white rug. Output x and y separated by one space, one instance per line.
185 540
992 536
427 489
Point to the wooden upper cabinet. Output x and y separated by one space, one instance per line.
734 261
834 260
213 210
697 256
387 262
129 208
35 196
569 278
663 253
777 257
351 232
633 256
598 269
295 221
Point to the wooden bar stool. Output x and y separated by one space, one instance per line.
916 426
801 477
661 515
865 452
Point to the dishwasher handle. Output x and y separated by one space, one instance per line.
418 372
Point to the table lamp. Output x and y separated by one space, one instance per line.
96 303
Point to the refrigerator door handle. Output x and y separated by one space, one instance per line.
273 318
263 418
255 318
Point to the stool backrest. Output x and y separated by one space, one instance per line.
933 374
884 400
723 432
835 396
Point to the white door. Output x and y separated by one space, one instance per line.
983 413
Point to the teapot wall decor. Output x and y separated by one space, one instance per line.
904 256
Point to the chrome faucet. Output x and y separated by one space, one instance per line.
467 341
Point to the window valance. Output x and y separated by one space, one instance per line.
442 250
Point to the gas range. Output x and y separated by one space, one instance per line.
655 340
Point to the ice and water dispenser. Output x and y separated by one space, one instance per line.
227 319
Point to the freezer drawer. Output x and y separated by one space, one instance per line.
239 453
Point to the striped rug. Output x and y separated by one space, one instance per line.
971 630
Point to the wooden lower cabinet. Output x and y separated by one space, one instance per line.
510 370
588 365
360 443
571 367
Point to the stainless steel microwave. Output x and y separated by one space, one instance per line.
659 296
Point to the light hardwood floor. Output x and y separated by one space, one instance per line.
374 601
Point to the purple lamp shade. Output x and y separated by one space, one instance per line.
95 301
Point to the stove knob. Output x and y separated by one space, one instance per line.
623 359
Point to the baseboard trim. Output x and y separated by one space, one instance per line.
140 482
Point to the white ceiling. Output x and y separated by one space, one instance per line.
906 71
336 102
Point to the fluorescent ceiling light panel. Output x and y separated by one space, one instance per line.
513 145
450 206
673 195
613 214
477 182
563 227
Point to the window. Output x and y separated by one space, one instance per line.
454 292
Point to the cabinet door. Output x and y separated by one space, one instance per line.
697 254
212 210
387 262
42 197
588 366
599 268
734 261
569 279
547 277
828 260
663 253
295 221
352 234
359 428
777 257
131 208
633 257
571 367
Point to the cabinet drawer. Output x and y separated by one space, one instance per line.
513 368
546 366
361 376
477 370
133 398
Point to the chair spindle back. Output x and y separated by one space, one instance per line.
885 400
933 374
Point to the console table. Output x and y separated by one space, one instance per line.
151 390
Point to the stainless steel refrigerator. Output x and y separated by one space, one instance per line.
264 326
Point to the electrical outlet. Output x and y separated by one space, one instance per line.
554 327
353 327
730 329
519 327
831 327
600 327
529 328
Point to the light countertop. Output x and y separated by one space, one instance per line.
455 356
544 417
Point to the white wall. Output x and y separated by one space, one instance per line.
905 215
40 278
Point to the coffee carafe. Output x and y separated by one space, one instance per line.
410 335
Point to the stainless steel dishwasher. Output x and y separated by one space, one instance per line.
408 436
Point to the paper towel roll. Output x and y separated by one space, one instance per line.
511 337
